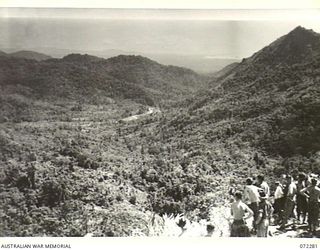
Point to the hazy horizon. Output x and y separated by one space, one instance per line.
208 35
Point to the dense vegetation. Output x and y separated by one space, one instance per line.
28 86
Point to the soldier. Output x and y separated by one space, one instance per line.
264 216
312 193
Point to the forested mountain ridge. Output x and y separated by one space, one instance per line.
272 98
90 79
26 54
144 72
298 46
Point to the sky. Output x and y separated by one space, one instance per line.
211 33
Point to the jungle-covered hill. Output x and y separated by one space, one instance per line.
32 89
270 101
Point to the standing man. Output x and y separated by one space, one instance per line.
302 204
263 185
313 206
264 216
238 212
251 195
278 201
289 201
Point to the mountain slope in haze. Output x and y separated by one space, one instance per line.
89 79
269 102
163 82
30 55
199 63
202 64
298 46
225 71
150 74
279 86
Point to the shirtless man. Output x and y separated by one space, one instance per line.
312 193
238 212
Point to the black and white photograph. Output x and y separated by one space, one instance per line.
159 123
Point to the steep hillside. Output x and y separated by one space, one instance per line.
277 93
269 101
226 70
297 47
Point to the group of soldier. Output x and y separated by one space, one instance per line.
296 197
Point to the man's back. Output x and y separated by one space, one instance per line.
292 190
278 193
238 209
314 193
300 185
266 209
265 187
252 193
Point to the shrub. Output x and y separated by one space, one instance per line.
52 193
133 200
